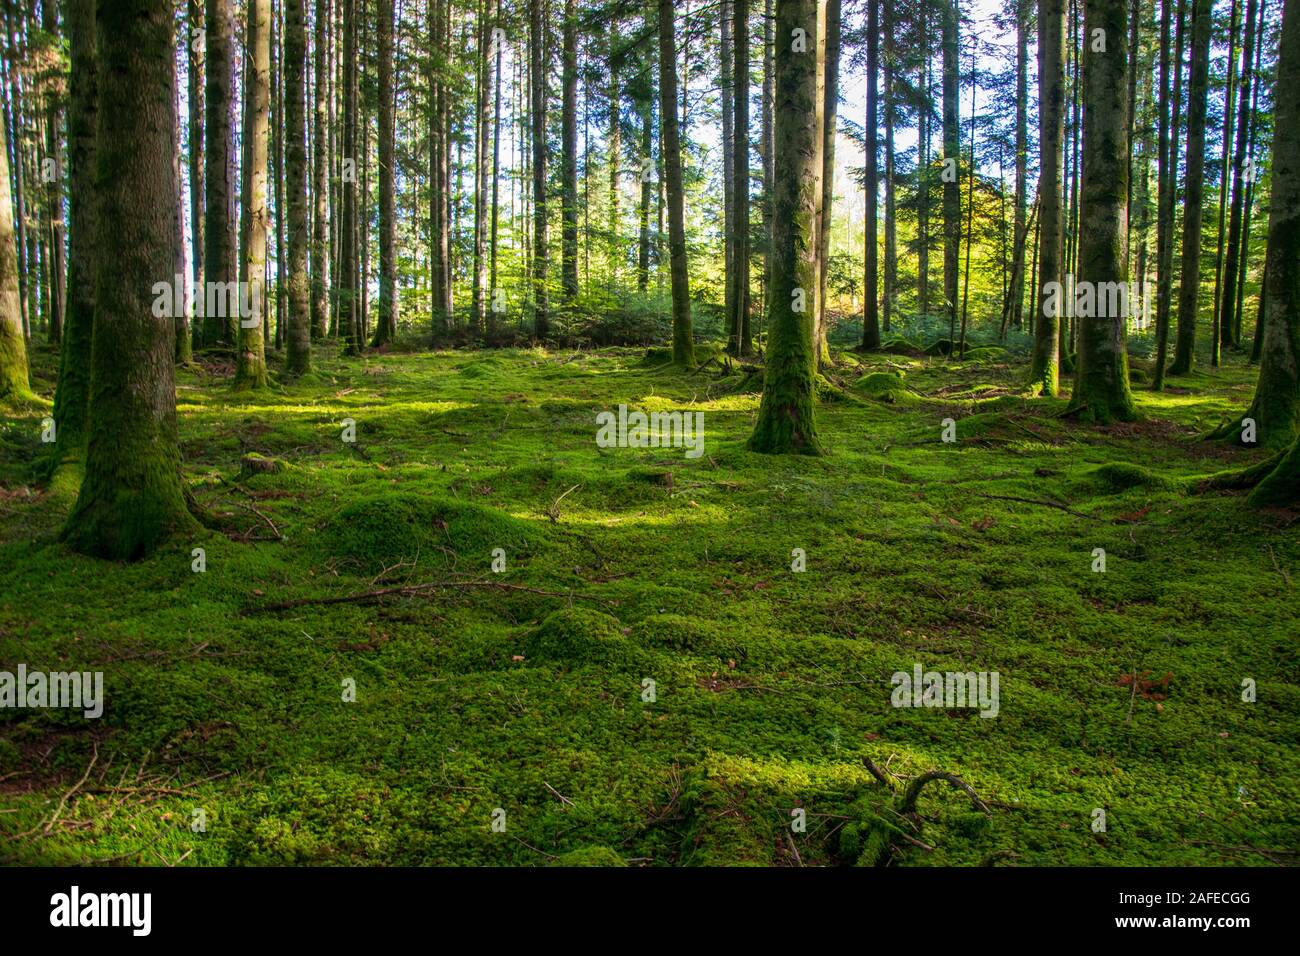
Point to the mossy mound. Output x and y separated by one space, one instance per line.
987 425
885 387
483 368
589 856
380 531
655 357
576 636
901 346
939 347
1138 376
1120 476
677 632
990 353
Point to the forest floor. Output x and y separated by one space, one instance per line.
526 691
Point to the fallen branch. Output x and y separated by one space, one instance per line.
914 789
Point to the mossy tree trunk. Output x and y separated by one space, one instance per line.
1276 407
786 420
72 395
1045 369
569 160
739 317
1189 288
484 69
671 150
386 325
219 236
1101 389
295 156
54 187
131 498
952 165
195 57
319 243
250 360
1229 316
537 27
14 383
871 275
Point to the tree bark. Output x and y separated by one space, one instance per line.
131 498
1279 386
298 359
786 419
220 249
72 395
250 359
569 177
952 166
871 278
1045 368
541 258
671 149
1101 390
386 324
1190 285
1229 317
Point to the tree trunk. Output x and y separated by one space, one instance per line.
72 396
1019 228
648 186
1278 387
1190 285
925 108
1101 390
131 498
871 281
54 186
726 79
739 317
1170 118
250 369
349 260
320 198
298 359
671 149
768 40
1229 314
15 386
569 177
1045 369
220 249
952 166
828 73
786 419
496 166
1221 337
541 258
386 324
891 225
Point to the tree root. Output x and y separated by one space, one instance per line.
908 803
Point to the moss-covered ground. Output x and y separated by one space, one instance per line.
526 691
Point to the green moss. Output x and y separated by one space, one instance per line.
887 387
770 684
578 636
380 531
1117 477
590 856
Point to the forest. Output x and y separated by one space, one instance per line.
649 432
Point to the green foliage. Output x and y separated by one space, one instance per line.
770 685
